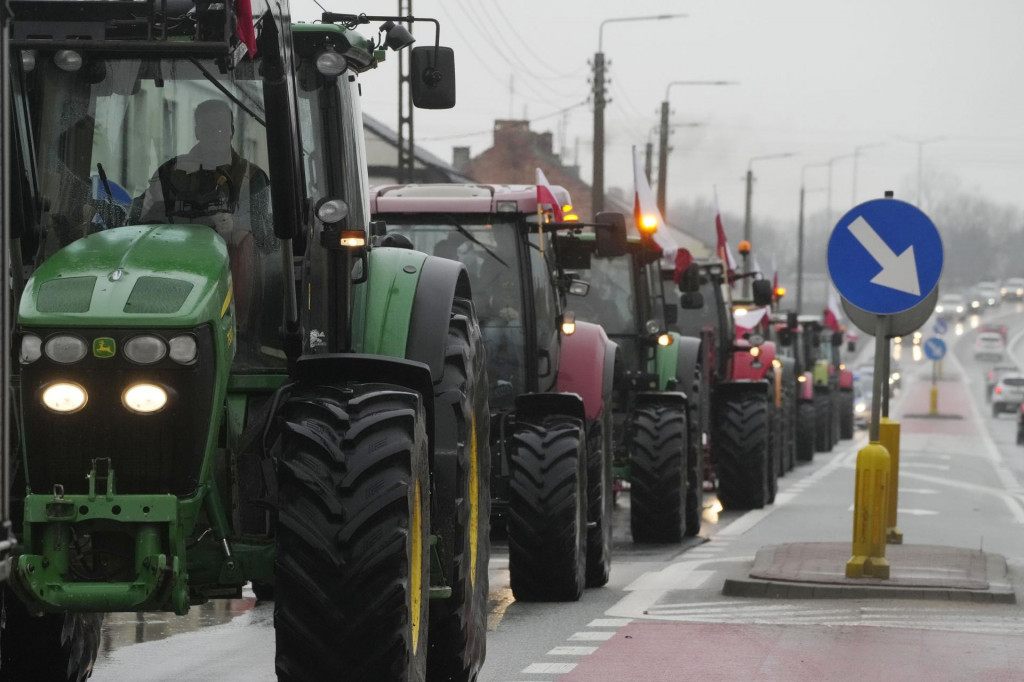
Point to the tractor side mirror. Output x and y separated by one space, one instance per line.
671 314
837 339
851 346
689 279
611 234
432 79
692 300
762 289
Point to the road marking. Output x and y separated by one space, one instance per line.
591 636
609 622
547 668
924 465
572 651
918 491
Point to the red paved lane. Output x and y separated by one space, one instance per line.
954 401
673 652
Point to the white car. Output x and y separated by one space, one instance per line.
951 307
1013 288
989 346
1008 395
989 293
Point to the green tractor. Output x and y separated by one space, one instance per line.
223 376
660 389
7 539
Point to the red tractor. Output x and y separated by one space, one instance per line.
551 375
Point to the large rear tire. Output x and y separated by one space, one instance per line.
694 472
547 523
805 431
742 452
846 415
658 475
599 500
352 569
458 624
54 646
774 449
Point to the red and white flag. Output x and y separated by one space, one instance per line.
723 250
246 29
546 196
833 311
645 210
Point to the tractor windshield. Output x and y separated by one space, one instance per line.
610 301
489 250
124 141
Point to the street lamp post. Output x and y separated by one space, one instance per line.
800 238
856 155
663 138
746 215
597 188
649 155
920 156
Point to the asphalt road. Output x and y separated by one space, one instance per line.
959 486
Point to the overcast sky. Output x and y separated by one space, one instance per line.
816 78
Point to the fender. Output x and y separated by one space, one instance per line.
688 357
398 308
743 361
655 397
533 407
846 380
733 389
587 367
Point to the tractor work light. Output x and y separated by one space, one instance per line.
331 64
31 349
68 60
65 349
664 339
353 238
331 211
507 206
755 351
144 398
65 397
740 311
145 349
652 326
183 349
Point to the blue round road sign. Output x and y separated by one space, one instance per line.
885 256
934 348
941 327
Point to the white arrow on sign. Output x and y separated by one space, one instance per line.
898 272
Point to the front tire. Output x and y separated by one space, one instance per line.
547 524
741 452
352 569
658 459
805 431
54 646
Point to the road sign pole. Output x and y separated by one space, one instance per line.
880 380
886 372
933 401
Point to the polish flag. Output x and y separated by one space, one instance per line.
645 207
723 250
246 29
775 276
546 196
833 311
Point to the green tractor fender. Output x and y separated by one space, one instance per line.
677 363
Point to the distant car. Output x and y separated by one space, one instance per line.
1013 289
989 293
862 404
951 307
1008 394
993 376
989 346
975 301
997 328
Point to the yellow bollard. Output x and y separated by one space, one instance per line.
871 497
889 437
933 401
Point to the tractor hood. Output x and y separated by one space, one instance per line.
141 275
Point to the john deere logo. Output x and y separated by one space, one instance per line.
104 347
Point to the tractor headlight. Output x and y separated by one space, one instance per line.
65 349
145 349
860 408
65 397
331 64
664 339
144 398
330 211
31 349
184 349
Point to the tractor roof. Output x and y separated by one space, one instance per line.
459 198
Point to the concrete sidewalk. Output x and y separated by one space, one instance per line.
813 570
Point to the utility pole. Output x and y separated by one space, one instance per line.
648 154
406 144
800 255
746 213
597 186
